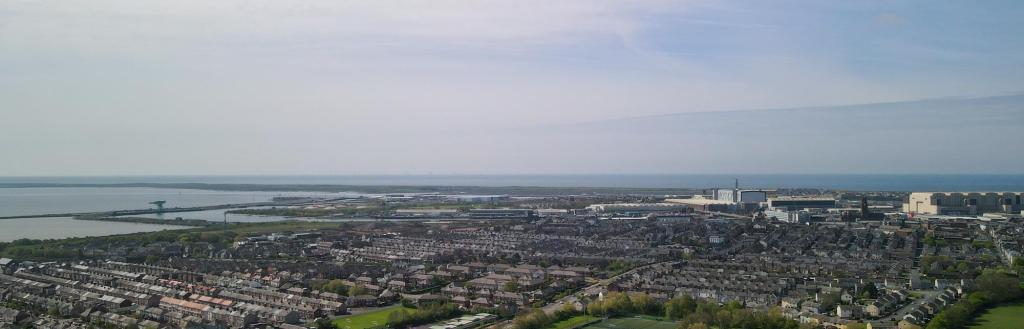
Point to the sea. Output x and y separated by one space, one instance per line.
25 201
65 227
58 200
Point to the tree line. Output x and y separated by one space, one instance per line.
991 288
690 313
431 313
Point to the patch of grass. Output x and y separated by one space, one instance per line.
369 319
572 322
1003 317
633 323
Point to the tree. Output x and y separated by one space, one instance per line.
870 291
323 323
336 286
644 304
618 303
679 307
999 286
512 286
534 320
357 290
829 301
993 287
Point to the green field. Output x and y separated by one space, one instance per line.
572 322
367 320
1002 317
633 323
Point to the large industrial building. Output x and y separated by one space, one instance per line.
788 216
745 200
705 204
962 203
636 207
740 196
798 203
501 213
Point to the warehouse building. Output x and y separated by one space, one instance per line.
792 203
962 203
701 203
635 208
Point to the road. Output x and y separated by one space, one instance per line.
550 308
928 295
557 304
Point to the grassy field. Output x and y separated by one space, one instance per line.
633 323
367 320
1002 317
572 322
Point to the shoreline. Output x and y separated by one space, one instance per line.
130 212
143 220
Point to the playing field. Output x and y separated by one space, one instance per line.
367 320
633 323
572 322
1003 317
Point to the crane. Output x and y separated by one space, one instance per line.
159 205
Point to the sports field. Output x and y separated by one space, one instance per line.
572 322
1002 317
633 323
367 320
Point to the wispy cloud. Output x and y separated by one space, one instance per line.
307 78
890 19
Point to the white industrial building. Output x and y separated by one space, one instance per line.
789 216
798 203
636 207
740 196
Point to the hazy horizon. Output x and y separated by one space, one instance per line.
863 182
144 88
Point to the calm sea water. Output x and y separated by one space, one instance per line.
65 227
59 200
215 216
952 182
219 215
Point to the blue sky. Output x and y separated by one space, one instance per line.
159 87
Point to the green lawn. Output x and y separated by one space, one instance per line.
572 322
1002 317
367 320
633 323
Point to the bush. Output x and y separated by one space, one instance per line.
537 319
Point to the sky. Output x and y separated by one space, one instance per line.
142 87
